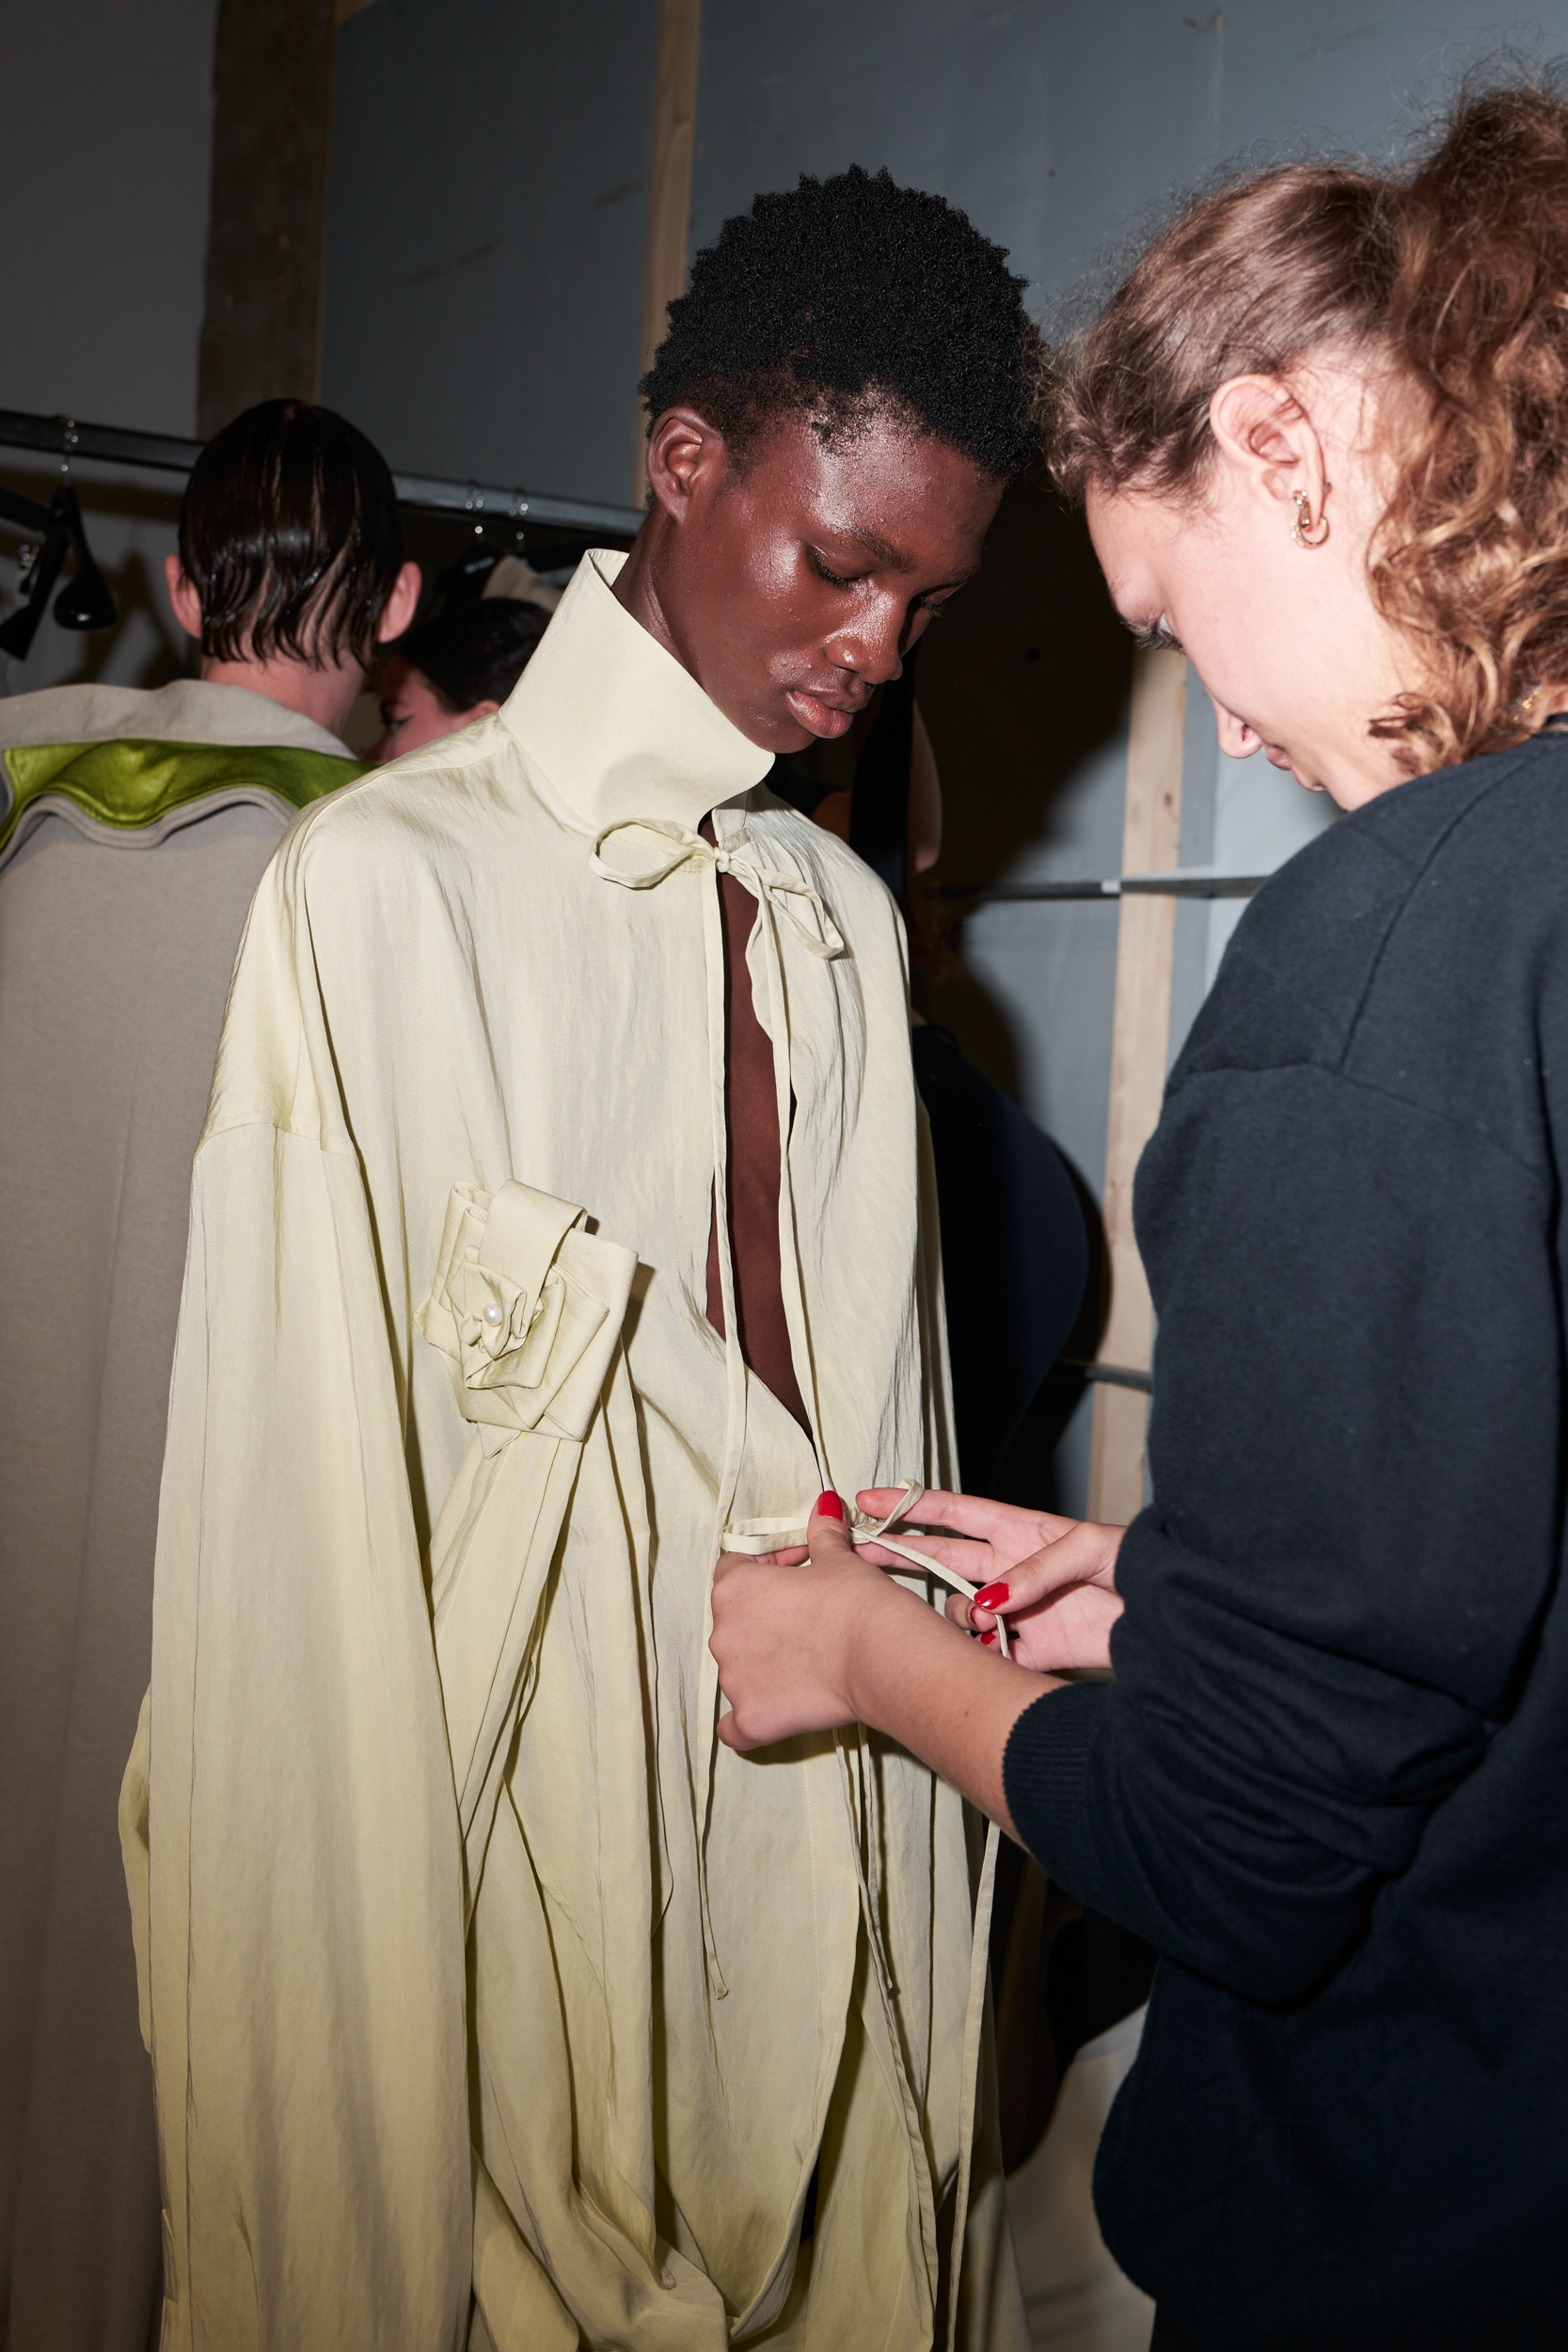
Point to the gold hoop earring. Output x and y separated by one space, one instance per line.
1303 528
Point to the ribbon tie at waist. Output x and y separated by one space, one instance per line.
685 848
775 1534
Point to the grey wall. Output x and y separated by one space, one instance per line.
109 132
485 253
482 312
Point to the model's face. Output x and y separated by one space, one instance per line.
412 713
792 585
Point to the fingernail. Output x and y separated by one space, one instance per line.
992 1596
829 1506
985 1640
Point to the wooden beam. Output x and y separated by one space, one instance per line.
668 186
1140 1042
272 130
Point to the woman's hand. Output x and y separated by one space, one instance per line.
1053 1580
808 1643
786 1626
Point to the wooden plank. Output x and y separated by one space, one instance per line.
1140 1041
668 186
272 132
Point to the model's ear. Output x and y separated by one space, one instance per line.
401 605
686 456
1265 439
184 601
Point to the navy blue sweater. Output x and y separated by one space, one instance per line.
1330 1782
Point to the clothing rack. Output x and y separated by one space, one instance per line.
1177 885
65 438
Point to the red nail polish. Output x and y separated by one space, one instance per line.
992 1596
829 1506
985 1640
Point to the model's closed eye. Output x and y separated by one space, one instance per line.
825 571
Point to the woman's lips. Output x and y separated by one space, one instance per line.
824 718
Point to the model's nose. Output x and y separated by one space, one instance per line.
872 644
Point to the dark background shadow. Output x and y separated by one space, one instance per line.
1027 676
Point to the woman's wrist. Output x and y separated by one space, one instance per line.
918 1680
880 1612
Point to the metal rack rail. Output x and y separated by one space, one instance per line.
65 438
1178 884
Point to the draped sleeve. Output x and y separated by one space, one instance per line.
303 1938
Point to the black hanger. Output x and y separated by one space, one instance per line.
84 602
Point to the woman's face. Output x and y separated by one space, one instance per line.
412 713
1286 639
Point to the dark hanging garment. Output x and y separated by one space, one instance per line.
1014 1251
880 807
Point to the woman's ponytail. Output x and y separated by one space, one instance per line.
1472 560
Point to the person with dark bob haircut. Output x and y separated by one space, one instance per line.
563 1214
291 541
135 825
1320 433
455 667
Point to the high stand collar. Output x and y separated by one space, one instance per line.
620 729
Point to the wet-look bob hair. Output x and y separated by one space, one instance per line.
1447 286
291 535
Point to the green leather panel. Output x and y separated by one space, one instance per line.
128 782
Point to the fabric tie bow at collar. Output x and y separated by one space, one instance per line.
673 846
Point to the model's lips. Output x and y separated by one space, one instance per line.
826 719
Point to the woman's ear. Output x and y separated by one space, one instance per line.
1266 441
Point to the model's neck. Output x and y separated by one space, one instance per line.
635 586
326 695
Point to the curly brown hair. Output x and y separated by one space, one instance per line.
1451 280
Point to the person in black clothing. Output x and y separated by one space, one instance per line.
1321 432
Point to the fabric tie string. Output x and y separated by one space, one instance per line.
980 1947
755 1535
877 1533
685 848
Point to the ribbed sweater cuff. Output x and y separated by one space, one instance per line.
1045 1777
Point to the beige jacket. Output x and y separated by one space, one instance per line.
472 1962
115 949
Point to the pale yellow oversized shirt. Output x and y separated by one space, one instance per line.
491 1999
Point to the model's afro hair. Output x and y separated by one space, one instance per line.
845 297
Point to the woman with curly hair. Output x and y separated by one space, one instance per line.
1321 435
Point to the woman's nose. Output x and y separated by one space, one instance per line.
1237 739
